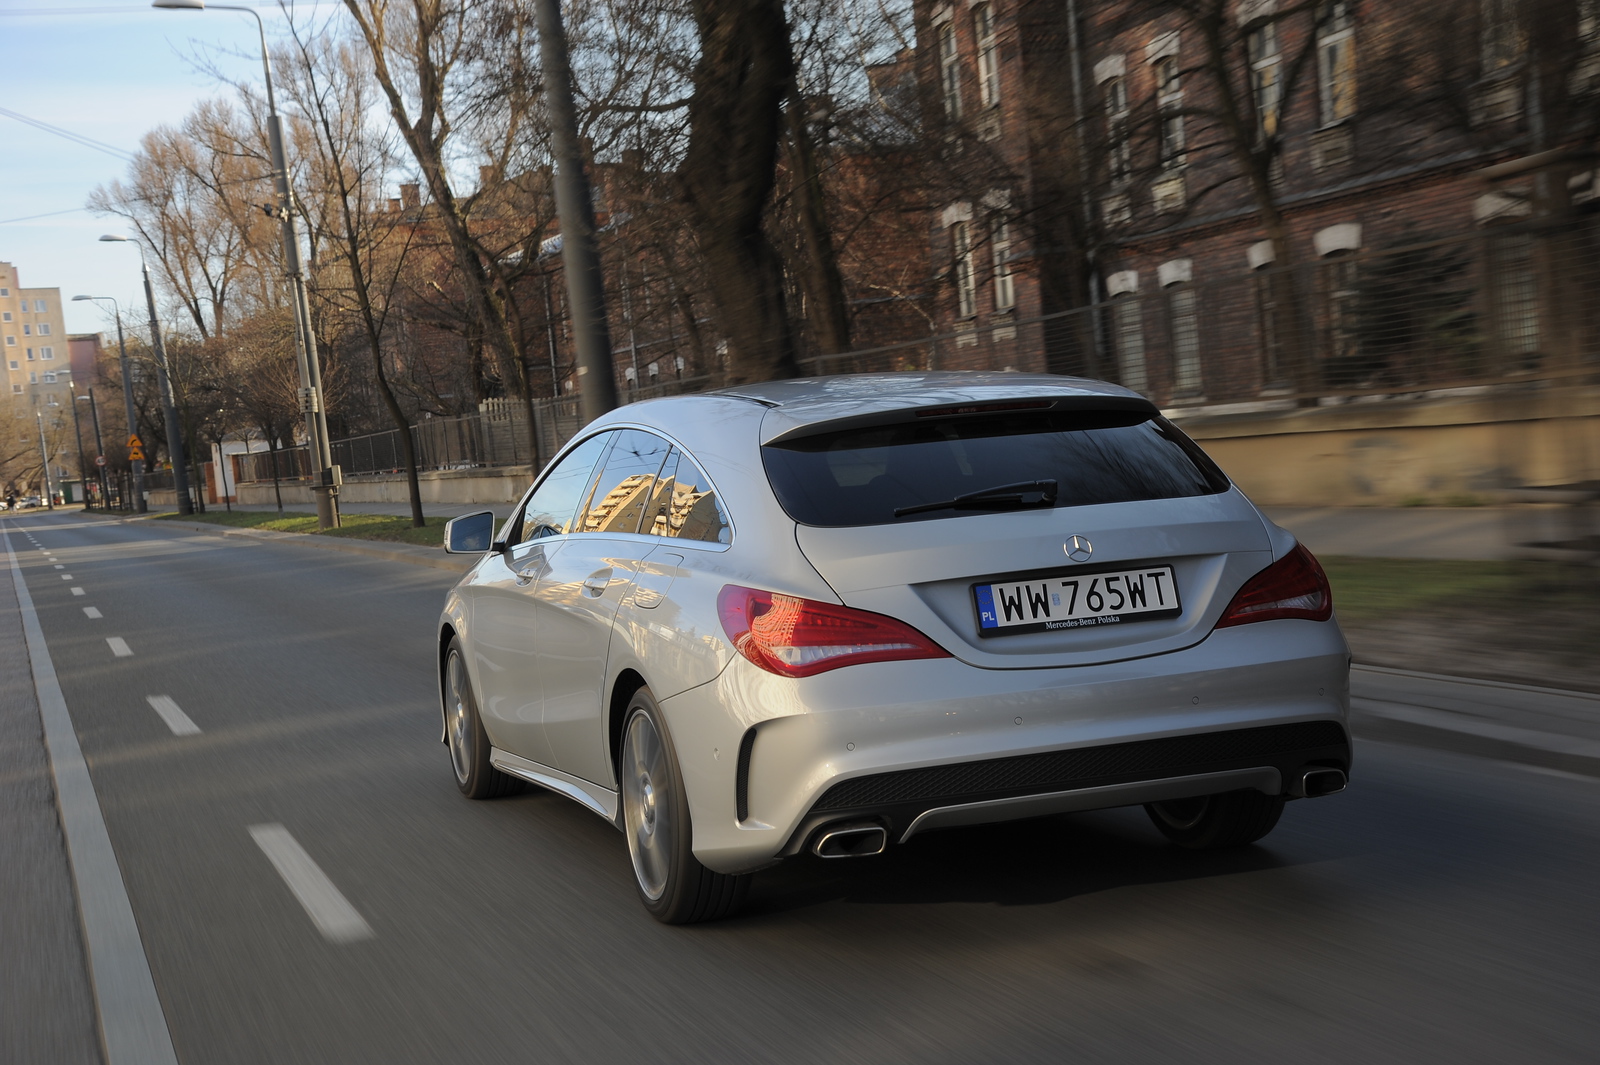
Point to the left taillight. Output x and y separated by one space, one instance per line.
796 637
1292 587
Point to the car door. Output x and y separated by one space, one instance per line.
589 575
504 614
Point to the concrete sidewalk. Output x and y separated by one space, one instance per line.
1483 533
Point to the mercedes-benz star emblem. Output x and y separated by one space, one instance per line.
1078 548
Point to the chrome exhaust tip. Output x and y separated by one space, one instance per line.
857 840
1315 783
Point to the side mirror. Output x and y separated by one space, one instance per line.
470 534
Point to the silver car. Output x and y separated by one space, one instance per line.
828 615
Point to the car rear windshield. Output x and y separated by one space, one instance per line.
861 476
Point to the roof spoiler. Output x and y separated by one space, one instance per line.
976 408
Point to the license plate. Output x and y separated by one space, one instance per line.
1076 601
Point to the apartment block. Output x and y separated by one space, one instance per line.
34 344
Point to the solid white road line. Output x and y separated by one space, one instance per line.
133 1028
77 591
176 719
93 612
330 911
119 646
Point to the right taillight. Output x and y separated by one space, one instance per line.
796 637
1292 587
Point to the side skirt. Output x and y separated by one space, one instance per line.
598 800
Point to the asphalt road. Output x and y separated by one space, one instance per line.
1441 910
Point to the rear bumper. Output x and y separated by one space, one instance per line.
769 761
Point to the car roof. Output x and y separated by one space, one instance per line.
801 403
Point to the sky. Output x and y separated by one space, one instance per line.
110 71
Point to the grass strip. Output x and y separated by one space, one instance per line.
352 526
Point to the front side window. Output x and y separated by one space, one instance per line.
685 506
553 507
862 476
626 484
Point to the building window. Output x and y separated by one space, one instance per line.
1005 289
1183 312
1336 61
5 292
39 306
1341 297
49 378
1516 300
30 354
1500 36
966 290
15 365
1169 101
16 390
44 329
988 56
47 353
1121 149
1128 324
1262 46
33 378
950 72
6 317
27 330
11 342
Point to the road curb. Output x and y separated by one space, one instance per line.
412 553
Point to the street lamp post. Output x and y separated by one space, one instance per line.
139 503
44 453
77 436
180 476
326 476
99 448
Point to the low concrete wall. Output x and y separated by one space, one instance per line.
499 484
1460 449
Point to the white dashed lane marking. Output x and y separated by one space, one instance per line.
66 576
77 591
330 911
61 567
178 721
93 612
119 646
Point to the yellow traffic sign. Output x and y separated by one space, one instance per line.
135 442
136 453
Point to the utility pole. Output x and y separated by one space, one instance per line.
44 453
99 451
580 251
77 436
180 473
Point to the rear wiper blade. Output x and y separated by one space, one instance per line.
1002 495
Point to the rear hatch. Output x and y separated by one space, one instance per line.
1077 531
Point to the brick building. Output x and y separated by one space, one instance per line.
1251 199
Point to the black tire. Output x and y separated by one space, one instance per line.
464 735
1216 822
672 884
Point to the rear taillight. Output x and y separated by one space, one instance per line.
1292 587
796 637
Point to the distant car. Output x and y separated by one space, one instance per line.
826 616
32 501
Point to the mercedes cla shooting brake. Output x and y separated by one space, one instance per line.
829 615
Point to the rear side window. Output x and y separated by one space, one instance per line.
626 484
685 506
861 476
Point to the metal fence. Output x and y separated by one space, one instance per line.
1512 303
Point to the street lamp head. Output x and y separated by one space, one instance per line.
80 299
113 237
180 5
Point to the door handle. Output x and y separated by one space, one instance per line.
529 568
596 583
